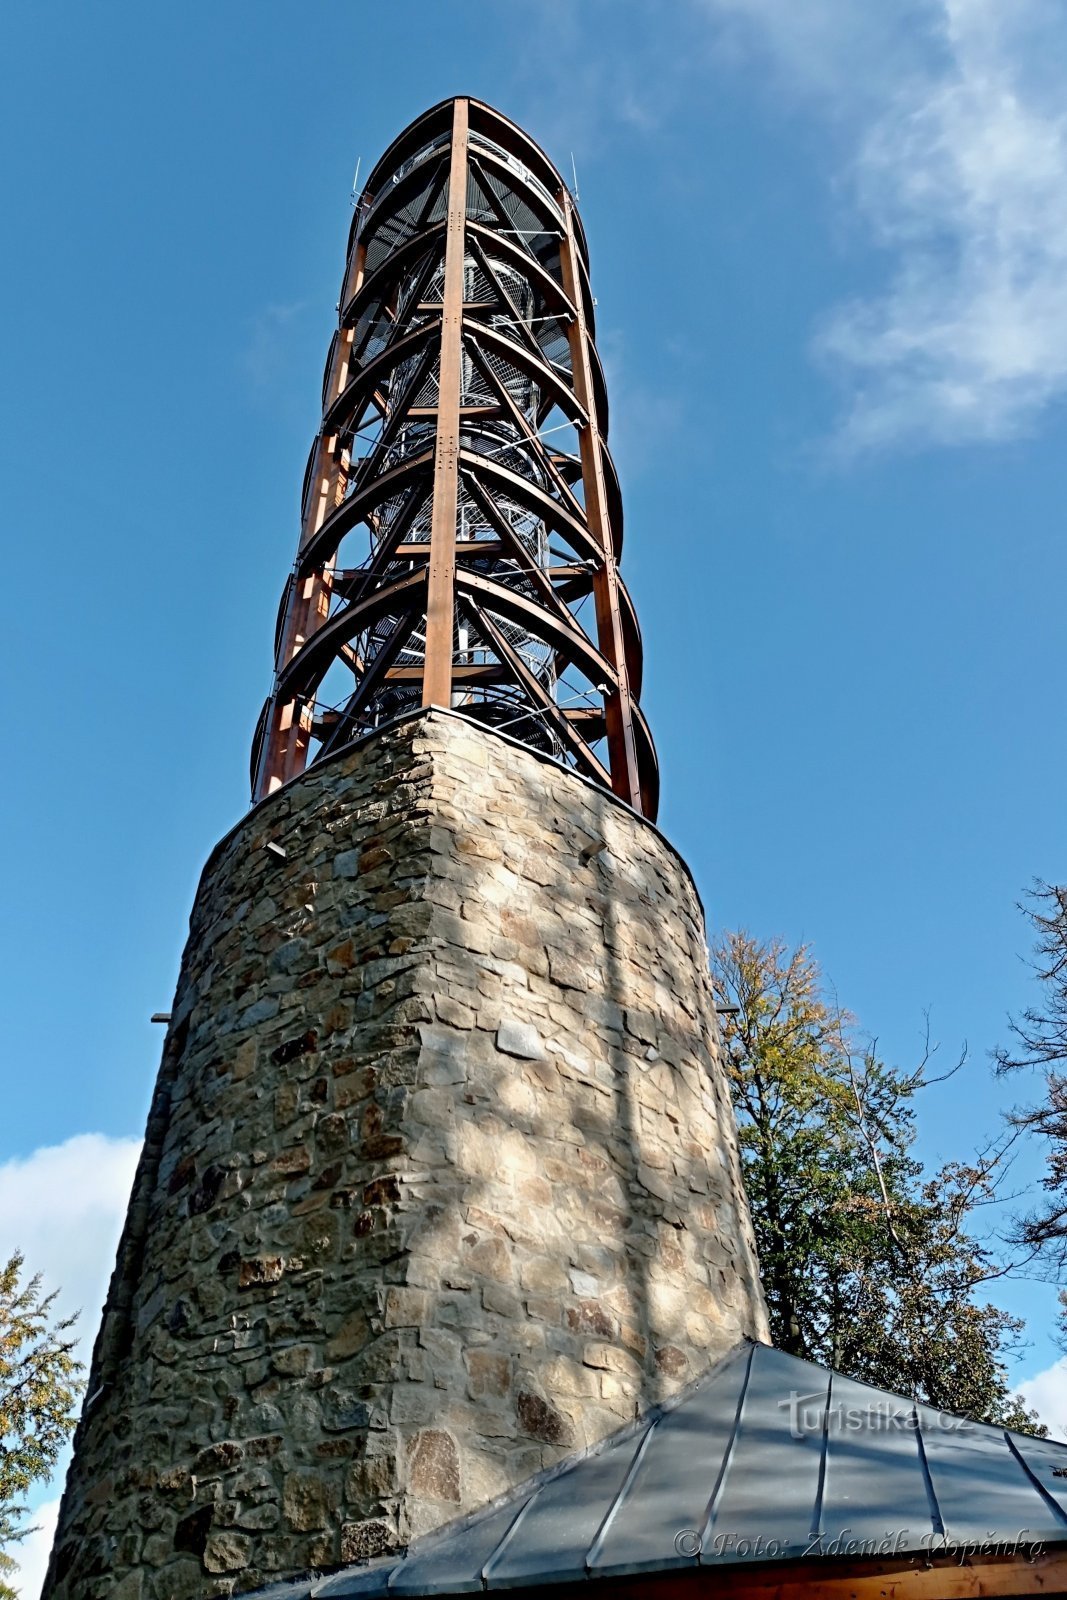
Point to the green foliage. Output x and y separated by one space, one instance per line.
8 1568
867 1264
39 1386
1040 1043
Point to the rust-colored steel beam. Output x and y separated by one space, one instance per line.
441 598
464 428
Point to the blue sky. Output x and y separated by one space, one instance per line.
830 253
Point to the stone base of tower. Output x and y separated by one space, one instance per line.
440 1183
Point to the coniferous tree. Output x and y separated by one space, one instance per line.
1040 1044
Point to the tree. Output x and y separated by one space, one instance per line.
1040 1036
868 1264
39 1385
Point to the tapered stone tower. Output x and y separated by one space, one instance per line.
440 1183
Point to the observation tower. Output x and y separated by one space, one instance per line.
440 1183
438 1274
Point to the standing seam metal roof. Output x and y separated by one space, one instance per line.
765 1458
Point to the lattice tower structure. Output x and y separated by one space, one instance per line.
461 513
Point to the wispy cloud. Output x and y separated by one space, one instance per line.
263 357
960 174
832 54
612 73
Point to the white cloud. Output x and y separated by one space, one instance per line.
32 1552
63 1207
1046 1392
959 124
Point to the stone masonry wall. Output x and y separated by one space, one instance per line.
440 1181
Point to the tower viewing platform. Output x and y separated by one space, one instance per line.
461 513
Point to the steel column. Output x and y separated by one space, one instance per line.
441 604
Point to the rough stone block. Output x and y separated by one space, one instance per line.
520 1039
433 1465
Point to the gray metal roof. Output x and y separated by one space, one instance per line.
764 1458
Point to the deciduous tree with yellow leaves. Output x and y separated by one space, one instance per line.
39 1387
869 1264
